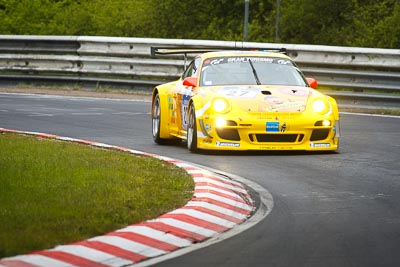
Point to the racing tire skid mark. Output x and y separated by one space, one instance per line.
218 205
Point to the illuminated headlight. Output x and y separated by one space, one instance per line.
220 105
319 106
220 122
326 123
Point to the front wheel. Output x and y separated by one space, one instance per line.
192 130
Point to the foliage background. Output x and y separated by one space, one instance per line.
364 23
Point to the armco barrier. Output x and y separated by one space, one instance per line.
114 61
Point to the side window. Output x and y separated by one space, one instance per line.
196 67
188 71
193 69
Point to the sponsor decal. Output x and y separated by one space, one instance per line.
216 61
184 110
314 145
283 61
272 126
207 140
228 144
274 100
252 59
289 106
238 92
283 128
244 59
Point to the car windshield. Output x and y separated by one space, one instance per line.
245 70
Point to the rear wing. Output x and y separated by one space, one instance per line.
155 50
171 50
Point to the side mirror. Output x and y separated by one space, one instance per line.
190 81
312 82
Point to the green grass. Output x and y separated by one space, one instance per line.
54 192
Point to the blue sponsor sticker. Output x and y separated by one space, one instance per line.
272 126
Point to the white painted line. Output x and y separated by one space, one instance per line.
204 216
183 165
219 190
41 261
156 234
370 115
216 208
186 226
87 113
213 181
224 200
128 113
93 255
129 245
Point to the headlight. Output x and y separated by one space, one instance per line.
220 105
319 106
220 122
326 123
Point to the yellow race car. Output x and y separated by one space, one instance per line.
245 100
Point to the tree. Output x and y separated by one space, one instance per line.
366 23
376 24
315 22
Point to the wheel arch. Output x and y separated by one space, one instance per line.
335 108
197 102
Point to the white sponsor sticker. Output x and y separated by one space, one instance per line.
218 143
313 145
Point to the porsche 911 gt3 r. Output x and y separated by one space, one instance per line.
245 100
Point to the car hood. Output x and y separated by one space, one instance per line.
265 98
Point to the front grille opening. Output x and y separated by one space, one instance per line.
276 138
320 134
321 123
251 137
228 134
301 136
231 123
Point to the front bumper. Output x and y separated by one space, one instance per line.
273 132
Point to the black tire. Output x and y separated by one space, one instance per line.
156 120
192 130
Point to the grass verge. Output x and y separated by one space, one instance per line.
54 192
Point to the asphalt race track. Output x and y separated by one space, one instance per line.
340 209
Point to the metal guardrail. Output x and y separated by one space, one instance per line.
126 62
